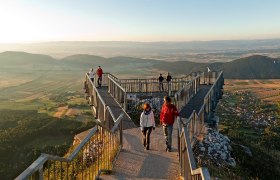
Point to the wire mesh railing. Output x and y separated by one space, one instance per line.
96 153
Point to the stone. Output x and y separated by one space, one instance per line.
226 138
202 149
232 162
223 156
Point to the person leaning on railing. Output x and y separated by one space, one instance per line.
167 117
160 83
168 79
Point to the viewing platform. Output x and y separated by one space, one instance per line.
113 148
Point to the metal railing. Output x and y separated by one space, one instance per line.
151 85
189 129
184 95
96 153
117 91
189 170
101 111
214 94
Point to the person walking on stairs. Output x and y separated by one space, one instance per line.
167 117
147 124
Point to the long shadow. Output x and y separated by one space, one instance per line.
143 164
155 166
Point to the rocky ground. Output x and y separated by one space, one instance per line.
214 149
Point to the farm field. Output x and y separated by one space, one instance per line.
40 112
249 114
267 91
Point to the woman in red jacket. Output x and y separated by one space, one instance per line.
167 117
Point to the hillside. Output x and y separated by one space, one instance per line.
252 67
11 59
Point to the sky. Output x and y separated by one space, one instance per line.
138 20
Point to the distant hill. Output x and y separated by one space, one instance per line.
12 59
252 67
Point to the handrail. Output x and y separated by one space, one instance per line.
109 77
182 77
111 112
186 132
213 84
188 129
202 172
96 91
189 82
43 158
39 162
117 122
75 152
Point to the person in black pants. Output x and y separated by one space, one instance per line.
147 124
160 83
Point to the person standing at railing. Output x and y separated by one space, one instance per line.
160 83
99 73
167 117
168 79
91 75
147 124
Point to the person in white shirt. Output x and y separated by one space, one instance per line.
147 124
91 75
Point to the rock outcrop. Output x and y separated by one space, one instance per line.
214 149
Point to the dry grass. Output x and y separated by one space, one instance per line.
60 111
266 90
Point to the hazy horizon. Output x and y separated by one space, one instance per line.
197 51
139 20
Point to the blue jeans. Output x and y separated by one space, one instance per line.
168 135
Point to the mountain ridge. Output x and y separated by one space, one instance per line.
251 67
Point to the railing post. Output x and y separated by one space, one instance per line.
125 102
41 175
121 133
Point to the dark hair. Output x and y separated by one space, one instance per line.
167 99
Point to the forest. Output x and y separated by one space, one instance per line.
24 135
